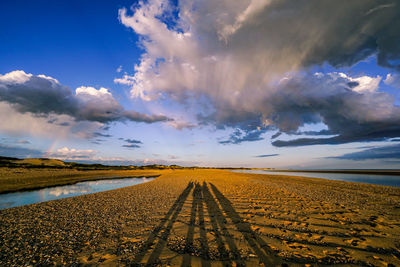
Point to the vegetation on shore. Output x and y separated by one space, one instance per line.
39 163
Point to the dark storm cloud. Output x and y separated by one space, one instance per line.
359 114
131 143
267 155
276 135
42 96
386 152
98 134
350 115
339 32
253 59
239 136
315 133
140 117
374 135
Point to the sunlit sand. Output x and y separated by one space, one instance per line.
211 218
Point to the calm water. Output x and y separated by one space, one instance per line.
29 197
391 180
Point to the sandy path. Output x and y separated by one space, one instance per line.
210 218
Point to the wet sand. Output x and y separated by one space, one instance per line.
210 218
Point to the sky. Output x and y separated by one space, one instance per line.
305 84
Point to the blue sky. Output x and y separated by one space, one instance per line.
201 83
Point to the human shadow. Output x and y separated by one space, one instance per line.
217 218
258 245
169 220
197 208
219 210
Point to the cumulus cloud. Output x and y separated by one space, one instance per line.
333 99
386 152
66 153
251 60
42 96
180 125
350 114
393 79
363 83
62 126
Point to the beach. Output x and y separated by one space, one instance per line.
210 218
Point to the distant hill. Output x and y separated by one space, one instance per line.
59 164
41 161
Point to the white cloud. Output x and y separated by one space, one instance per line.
102 92
179 125
364 83
259 45
66 153
250 60
393 79
44 96
126 80
17 76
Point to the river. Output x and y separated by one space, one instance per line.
390 180
16 199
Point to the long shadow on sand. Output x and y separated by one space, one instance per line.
217 218
259 246
197 208
169 218
219 209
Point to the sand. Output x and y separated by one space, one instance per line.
210 218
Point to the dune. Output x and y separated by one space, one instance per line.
41 161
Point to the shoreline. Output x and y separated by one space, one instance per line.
22 180
369 172
91 179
